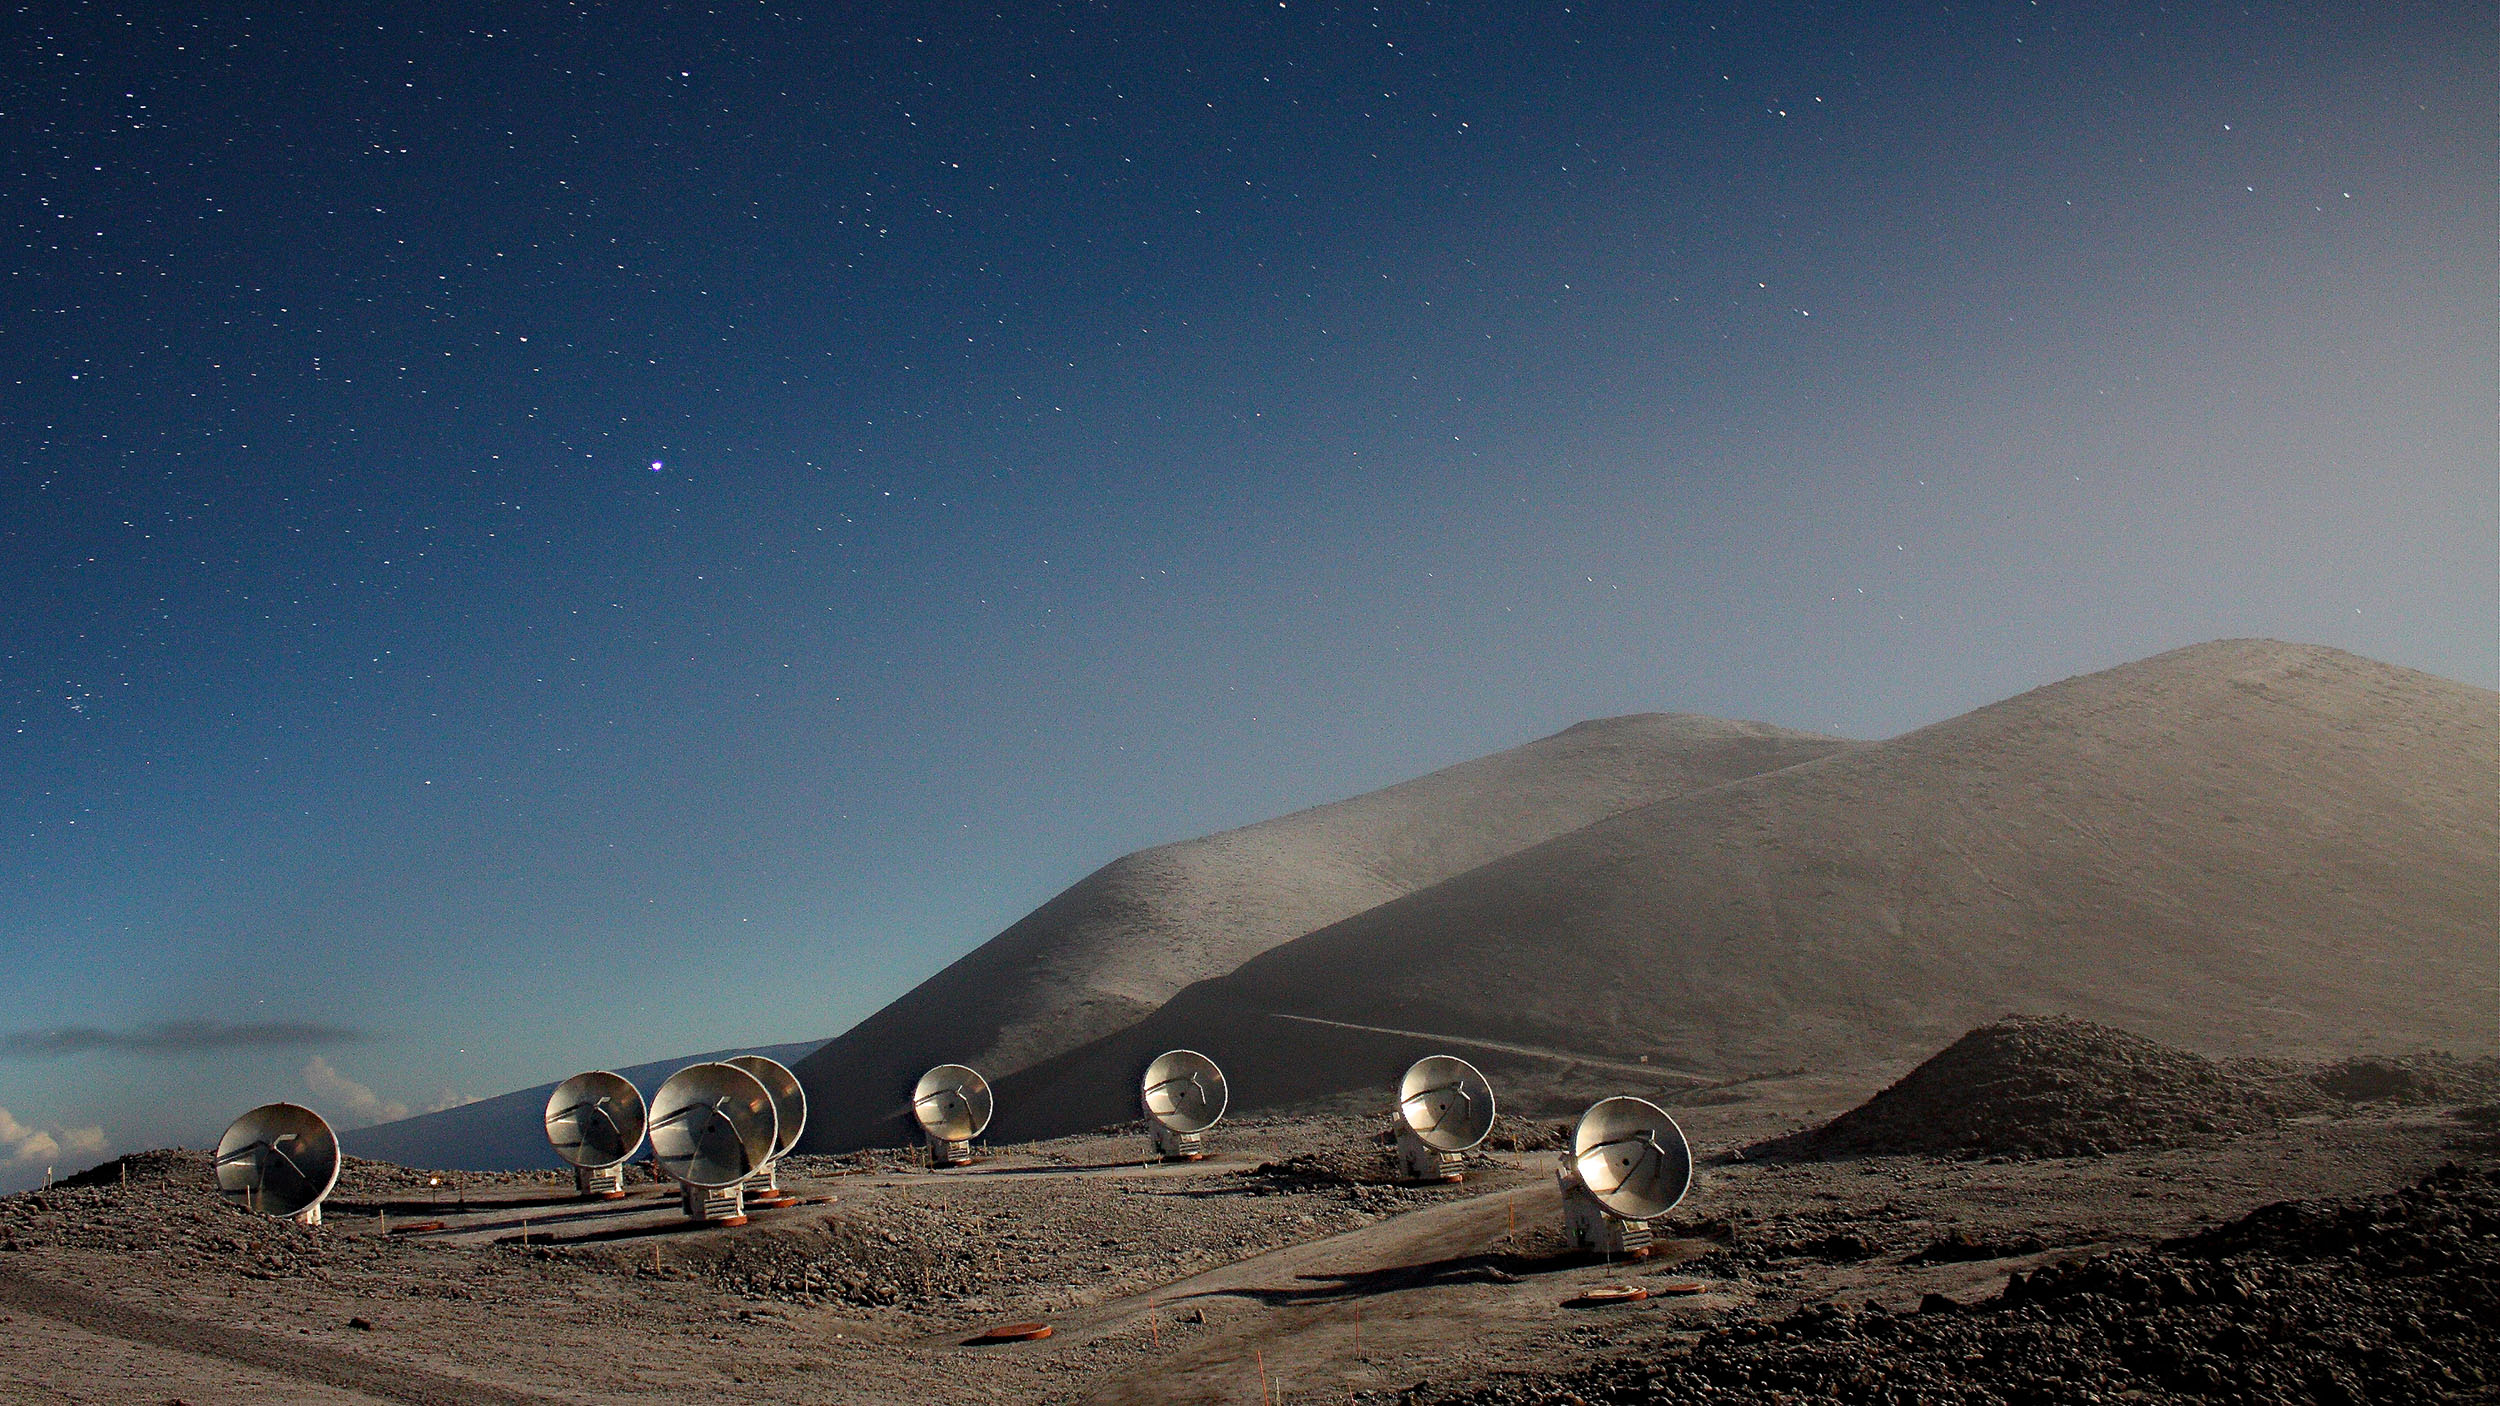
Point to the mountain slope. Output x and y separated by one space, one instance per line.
1115 946
2243 846
509 1130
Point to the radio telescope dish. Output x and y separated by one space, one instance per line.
596 1121
1628 1162
280 1159
789 1100
952 1104
1444 1108
712 1127
1446 1102
1184 1095
790 1106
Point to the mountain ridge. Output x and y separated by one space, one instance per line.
1112 948
2181 845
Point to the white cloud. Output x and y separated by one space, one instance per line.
449 1099
86 1142
23 1143
362 1105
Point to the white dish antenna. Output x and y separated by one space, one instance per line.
712 1127
952 1104
1184 1094
790 1107
596 1122
1632 1157
1628 1163
1445 1107
280 1159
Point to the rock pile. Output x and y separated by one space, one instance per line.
2483 1121
1515 1134
165 1164
1748 1244
2046 1087
2412 1080
2390 1298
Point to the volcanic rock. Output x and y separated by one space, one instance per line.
2043 1087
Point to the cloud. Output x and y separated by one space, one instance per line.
22 1143
170 1037
84 1142
362 1105
449 1099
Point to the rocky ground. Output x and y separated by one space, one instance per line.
2307 1245
2393 1297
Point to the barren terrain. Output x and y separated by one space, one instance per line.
2258 879
1284 1264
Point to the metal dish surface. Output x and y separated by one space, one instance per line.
596 1119
713 1125
1446 1103
789 1100
1632 1157
952 1102
1184 1091
277 1159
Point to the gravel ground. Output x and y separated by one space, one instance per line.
2386 1298
958 1249
1287 1257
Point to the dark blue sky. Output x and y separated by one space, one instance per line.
559 535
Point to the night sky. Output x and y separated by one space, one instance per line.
537 536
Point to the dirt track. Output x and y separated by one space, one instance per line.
105 1317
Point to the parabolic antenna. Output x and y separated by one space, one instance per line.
1632 1157
790 1107
280 1159
712 1125
952 1103
1184 1095
596 1119
1184 1091
789 1100
1447 1104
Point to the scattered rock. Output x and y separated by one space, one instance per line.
2389 1298
1962 1246
2426 1078
2483 1119
1515 1134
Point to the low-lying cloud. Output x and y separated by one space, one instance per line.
23 1143
171 1037
359 1105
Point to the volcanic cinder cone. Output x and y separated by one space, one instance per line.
1117 945
2241 847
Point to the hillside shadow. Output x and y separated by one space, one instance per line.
1494 1267
979 1171
456 1206
541 1236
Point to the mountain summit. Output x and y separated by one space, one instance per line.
2241 847
1113 948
